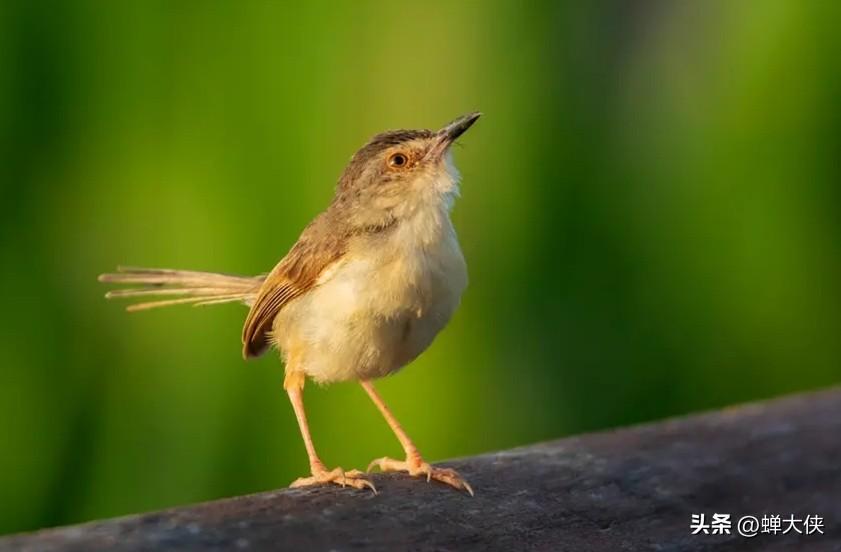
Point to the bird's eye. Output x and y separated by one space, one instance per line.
398 160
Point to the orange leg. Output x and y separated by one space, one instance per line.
294 385
414 463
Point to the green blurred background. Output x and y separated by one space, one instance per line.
651 214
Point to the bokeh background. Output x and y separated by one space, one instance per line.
651 215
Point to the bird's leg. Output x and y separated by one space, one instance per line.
294 385
414 464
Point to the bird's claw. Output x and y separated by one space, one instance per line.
338 476
417 467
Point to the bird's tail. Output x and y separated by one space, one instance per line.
181 287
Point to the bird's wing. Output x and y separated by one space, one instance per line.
294 275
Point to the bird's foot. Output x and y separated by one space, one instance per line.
417 467
338 476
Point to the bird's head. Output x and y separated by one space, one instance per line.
399 172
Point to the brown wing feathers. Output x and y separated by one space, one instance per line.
318 247
258 324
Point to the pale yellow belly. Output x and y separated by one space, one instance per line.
373 316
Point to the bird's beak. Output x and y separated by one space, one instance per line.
447 135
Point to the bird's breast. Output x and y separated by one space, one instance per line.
378 308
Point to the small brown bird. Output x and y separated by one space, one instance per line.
364 291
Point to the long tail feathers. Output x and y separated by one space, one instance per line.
187 287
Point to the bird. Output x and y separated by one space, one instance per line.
365 289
